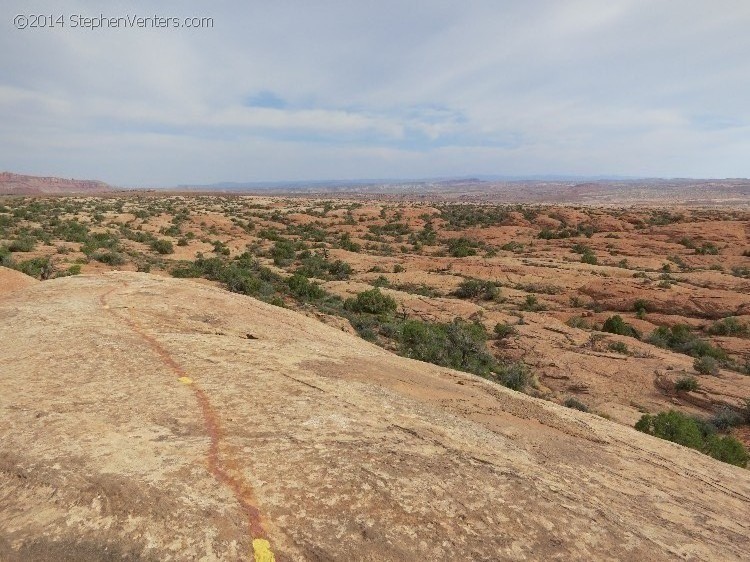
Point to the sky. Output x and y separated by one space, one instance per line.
320 89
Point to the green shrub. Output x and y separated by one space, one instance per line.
679 338
677 427
476 289
729 327
575 404
503 331
673 426
641 306
162 246
371 302
725 418
97 240
578 322
707 248
74 269
282 252
618 347
462 247
727 449
6 259
589 257
514 375
706 365
532 304
616 325
22 244
460 345
687 384
301 287
39 268
109 257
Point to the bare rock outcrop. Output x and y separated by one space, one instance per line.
139 421
18 184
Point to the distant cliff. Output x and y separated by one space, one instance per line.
17 184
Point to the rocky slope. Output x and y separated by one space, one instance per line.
18 184
144 418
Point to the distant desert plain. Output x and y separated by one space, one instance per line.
364 374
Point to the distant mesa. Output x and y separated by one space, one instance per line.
18 184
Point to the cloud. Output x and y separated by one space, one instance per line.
279 90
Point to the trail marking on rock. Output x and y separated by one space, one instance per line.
217 466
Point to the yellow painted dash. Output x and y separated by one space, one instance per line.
262 551
185 380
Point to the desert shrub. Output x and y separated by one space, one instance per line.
616 325
725 418
459 344
727 449
462 247
706 365
503 331
464 216
241 275
532 304
673 426
679 428
339 270
575 404
398 268
97 240
346 242
380 281
283 252
162 246
71 231
641 306
476 289
589 257
22 244
513 375
391 229
689 384
578 322
371 302
618 347
422 289
303 289
74 269
6 258
512 246
109 257
579 248
315 265
679 338
707 248
39 268
729 327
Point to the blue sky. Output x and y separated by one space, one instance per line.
323 89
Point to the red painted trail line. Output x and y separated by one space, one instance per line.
241 490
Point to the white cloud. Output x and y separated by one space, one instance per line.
381 90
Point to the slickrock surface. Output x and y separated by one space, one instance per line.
12 280
144 418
